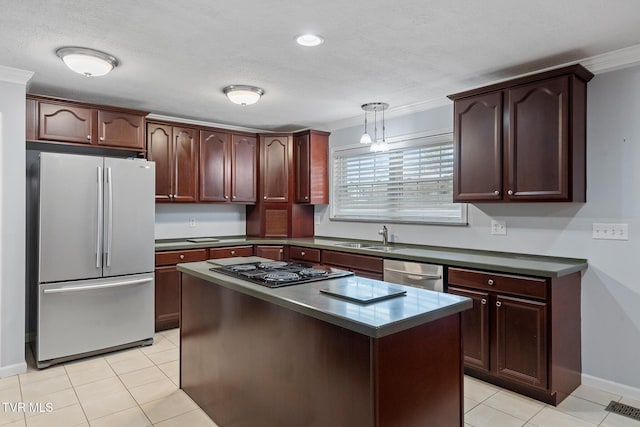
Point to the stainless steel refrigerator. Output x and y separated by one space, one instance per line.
95 255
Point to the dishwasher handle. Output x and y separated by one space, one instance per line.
409 273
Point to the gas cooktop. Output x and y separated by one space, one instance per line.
275 274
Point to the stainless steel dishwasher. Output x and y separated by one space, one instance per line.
419 275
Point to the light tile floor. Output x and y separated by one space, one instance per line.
139 387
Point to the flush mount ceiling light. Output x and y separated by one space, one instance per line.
309 40
88 62
366 138
243 94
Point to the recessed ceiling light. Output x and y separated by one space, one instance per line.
85 61
309 40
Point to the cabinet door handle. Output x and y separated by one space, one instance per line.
265 197
497 193
306 197
181 256
233 252
490 282
483 301
302 253
226 197
498 303
89 137
102 138
281 250
510 192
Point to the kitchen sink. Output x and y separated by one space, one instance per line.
384 248
355 245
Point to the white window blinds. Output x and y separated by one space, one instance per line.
411 182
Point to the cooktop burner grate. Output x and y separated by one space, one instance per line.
280 273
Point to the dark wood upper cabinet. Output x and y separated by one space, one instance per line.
523 140
160 151
311 163
214 166
66 123
228 167
274 168
70 122
119 129
537 151
478 148
175 151
244 168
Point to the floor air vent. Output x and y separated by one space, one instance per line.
622 409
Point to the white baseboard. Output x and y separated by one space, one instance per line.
611 387
18 368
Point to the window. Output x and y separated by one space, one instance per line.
411 182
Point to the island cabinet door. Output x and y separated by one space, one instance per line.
475 328
521 340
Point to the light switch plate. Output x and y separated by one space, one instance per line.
498 227
606 231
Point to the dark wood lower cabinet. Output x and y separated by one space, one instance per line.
277 253
167 285
521 340
523 333
167 303
475 328
361 265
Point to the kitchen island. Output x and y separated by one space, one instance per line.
293 356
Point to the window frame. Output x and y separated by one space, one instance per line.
395 143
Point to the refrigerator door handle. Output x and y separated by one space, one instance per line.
91 287
110 219
99 220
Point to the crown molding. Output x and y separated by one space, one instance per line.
204 123
15 75
597 64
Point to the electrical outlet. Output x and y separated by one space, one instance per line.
498 227
192 222
605 231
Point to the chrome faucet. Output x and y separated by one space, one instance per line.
385 235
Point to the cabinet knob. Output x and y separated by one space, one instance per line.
497 193
281 250
510 192
181 256
490 282
102 138
306 197
302 253
483 301
233 252
265 197
89 137
233 197
498 303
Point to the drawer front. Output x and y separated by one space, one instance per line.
497 282
216 253
353 261
175 257
304 254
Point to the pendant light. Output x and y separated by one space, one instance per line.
366 139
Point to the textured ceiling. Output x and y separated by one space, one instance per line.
177 56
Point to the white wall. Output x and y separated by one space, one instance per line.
611 285
12 220
172 220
